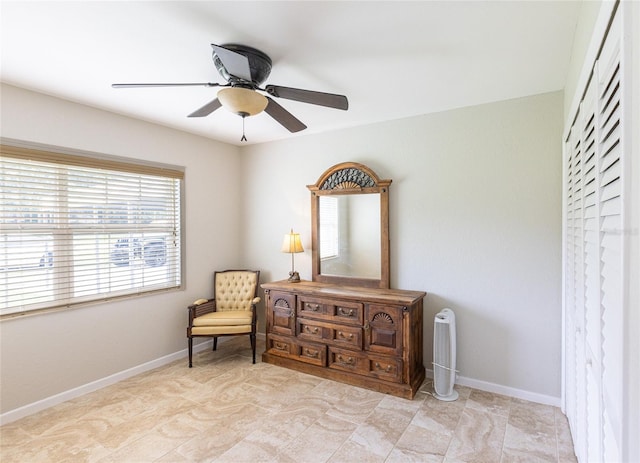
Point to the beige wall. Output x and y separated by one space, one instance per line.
49 354
475 221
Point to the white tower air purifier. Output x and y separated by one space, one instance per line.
444 355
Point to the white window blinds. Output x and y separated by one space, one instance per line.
329 235
76 229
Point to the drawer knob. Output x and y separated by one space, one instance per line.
342 335
312 331
280 346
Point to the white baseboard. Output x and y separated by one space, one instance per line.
35 407
505 390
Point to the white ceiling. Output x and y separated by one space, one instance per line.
391 59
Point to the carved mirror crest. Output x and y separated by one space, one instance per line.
350 227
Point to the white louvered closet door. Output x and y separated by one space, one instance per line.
574 296
610 188
593 262
590 267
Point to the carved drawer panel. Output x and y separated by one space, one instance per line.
331 333
292 348
383 329
282 313
348 360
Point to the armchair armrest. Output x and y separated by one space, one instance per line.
255 300
199 308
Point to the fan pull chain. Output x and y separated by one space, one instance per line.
244 138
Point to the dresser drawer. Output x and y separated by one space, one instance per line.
347 336
387 368
330 333
348 360
381 367
282 346
346 312
312 330
328 309
312 308
315 354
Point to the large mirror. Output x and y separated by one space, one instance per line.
350 227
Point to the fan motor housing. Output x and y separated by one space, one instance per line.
259 65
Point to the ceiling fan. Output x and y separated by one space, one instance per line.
245 69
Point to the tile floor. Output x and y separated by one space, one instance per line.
225 409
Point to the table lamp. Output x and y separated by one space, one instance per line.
292 244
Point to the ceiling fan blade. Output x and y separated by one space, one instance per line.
206 109
308 96
236 64
284 117
199 84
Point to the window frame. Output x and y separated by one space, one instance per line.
175 279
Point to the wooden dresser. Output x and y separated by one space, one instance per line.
367 337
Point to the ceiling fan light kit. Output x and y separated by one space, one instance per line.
242 101
245 68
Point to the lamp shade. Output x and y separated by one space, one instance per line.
242 101
291 243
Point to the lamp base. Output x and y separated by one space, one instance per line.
294 277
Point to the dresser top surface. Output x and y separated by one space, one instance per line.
312 288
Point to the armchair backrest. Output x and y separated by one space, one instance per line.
235 289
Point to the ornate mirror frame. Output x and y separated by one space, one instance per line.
350 178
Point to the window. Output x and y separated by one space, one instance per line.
76 229
329 236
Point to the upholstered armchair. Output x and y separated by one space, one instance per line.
231 311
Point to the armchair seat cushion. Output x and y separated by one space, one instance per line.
220 330
226 318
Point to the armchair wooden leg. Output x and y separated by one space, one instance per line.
253 346
215 343
190 351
